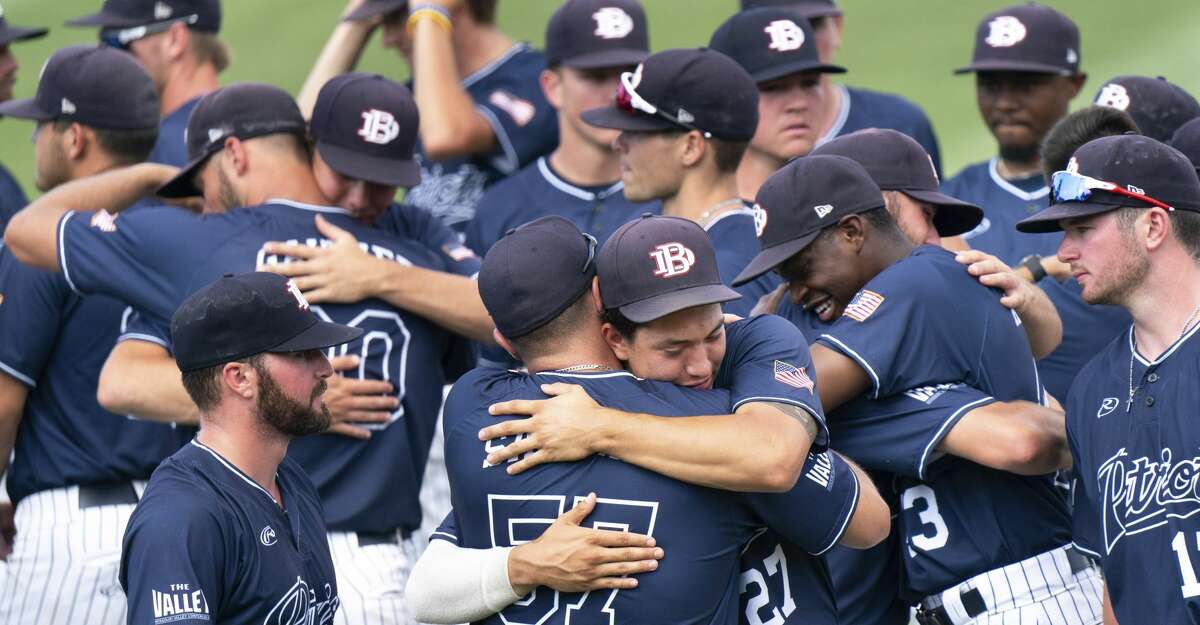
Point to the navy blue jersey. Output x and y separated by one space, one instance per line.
921 322
699 582
413 222
1136 497
736 244
509 95
56 342
171 146
208 544
12 198
155 257
537 191
1086 329
866 582
863 108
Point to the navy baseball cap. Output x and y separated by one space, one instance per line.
690 88
807 9
592 34
770 43
375 8
896 162
1026 38
1187 140
800 200
201 15
238 316
244 110
365 127
95 86
1130 161
1158 107
534 273
657 265
10 33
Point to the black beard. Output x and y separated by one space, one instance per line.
285 415
1019 153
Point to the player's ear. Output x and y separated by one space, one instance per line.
177 41
692 148
616 341
852 229
75 141
240 378
236 155
504 342
1152 227
596 301
551 83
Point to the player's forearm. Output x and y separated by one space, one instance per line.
451 584
449 300
140 379
749 452
340 55
1043 326
1018 437
1110 617
450 125
32 234
872 519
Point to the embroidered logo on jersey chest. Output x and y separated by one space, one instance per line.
1107 406
1141 494
267 536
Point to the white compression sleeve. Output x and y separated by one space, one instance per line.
452 584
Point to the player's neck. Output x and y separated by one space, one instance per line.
186 83
246 446
753 171
1018 169
477 46
585 350
700 193
1166 300
832 103
285 180
583 163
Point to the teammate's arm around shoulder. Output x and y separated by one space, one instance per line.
872 519
839 378
1042 324
1019 437
140 378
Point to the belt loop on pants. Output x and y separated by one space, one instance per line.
106 494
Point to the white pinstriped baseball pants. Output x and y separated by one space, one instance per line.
1041 590
65 561
371 580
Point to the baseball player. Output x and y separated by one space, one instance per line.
1026 64
229 529
589 44
847 109
779 51
1078 128
516 280
1158 106
176 41
689 160
416 357
483 114
1127 205
12 197
77 469
949 565
1187 140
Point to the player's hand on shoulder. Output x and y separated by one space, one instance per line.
352 401
769 303
993 272
563 428
570 558
339 273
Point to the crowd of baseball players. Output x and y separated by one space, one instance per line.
698 336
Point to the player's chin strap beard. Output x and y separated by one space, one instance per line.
1133 390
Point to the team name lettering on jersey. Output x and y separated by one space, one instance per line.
299 606
179 602
929 393
821 472
1140 494
672 259
378 251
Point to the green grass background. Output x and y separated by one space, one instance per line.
904 46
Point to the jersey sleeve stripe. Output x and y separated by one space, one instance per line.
444 536
841 531
509 161
944 429
779 400
27 380
138 336
862 362
62 251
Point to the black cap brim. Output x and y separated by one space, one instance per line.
615 118
1004 65
319 335
660 306
774 256
358 166
183 184
953 216
771 73
602 59
1046 220
9 34
372 10
107 20
25 109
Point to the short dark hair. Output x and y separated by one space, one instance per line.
727 154
482 11
209 49
204 385
550 335
126 147
623 324
1185 225
1078 128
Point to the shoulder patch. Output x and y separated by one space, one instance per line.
104 221
521 111
863 305
793 376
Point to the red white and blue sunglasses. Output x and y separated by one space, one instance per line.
630 102
1069 186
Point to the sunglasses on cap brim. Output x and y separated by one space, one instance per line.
631 103
1069 186
120 38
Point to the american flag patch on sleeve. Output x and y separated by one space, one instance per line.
793 376
863 305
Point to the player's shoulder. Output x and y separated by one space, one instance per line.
892 104
180 495
484 385
519 65
968 177
527 183
1093 382
760 328
913 272
735 225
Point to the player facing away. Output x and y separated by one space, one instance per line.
889 288
230 530
1128 207
176 41
657 598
